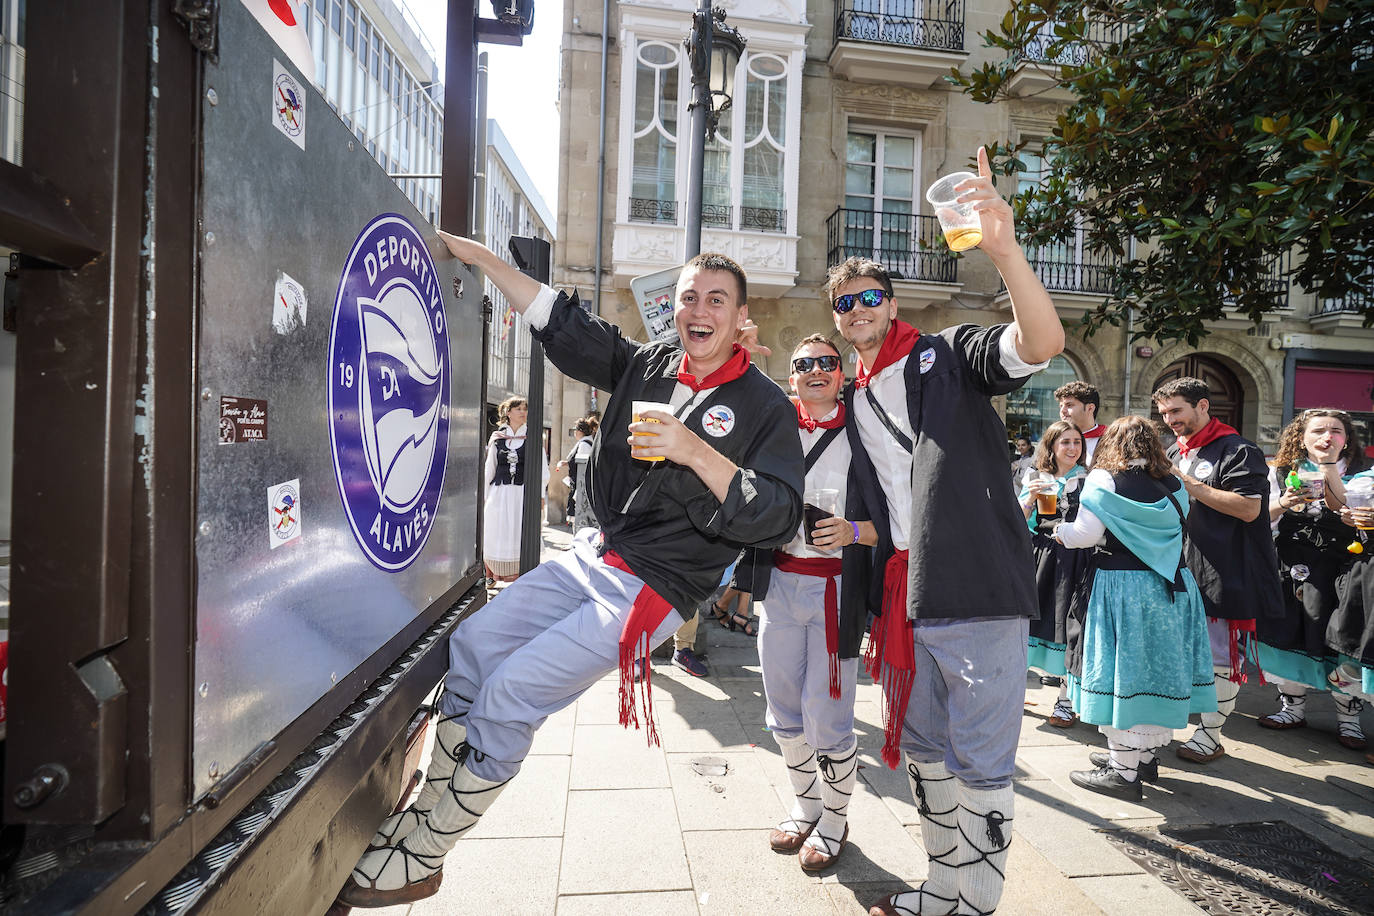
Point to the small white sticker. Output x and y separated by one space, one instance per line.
927 360
718 421
1202 470
288 104
284 512
288 305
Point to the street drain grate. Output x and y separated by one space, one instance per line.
1261 869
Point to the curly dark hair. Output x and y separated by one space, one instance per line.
1128 439
1190 389
1081 392
1292 451
1044 450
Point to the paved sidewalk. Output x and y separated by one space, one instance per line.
599 823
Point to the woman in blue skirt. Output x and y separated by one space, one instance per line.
1141 661
1059 571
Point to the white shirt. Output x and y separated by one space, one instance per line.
890 460
830 472
1086 529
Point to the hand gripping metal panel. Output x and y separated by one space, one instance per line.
340 365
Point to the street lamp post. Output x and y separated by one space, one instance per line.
714 50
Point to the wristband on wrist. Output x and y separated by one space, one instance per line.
855 526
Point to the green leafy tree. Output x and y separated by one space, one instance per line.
1232 140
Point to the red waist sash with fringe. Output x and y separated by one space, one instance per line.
646 613
826 568
891 656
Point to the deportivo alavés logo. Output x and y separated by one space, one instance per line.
389 391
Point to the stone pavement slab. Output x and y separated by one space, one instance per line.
622 840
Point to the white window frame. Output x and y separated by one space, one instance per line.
917 199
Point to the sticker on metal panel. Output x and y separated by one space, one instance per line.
718 420
284 513
288 104
389 391
288 305
242 420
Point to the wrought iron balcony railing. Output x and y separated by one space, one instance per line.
1274 281
934 24
649 210
906 244
717 216
1355 302
1073 54
1065 268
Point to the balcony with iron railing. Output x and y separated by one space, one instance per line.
1275 282
1345 313
907 245
1077 276
652 236
906 42
1037 65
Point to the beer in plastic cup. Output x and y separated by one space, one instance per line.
1315 482
818 505
1047 501
637 411
1359 494
959 222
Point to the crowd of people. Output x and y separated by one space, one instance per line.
1143 578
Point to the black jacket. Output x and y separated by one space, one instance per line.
674 533
970 553
1234 562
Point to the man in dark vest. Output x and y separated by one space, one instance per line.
929 461
1229 548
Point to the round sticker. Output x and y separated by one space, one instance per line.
389 391
1202 470
718 420
1299 572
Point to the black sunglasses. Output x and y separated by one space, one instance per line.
804 364
869 298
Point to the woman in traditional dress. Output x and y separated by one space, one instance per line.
1058 570
579 493
1141 662
1311 540
1350 633
505 481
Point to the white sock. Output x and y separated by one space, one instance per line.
837 772
1125 762
937 798
801 772
985 817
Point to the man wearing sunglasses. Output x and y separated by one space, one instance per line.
813 622
929 462
677 499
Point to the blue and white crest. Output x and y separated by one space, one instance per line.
389 391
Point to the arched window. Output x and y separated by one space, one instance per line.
1032 407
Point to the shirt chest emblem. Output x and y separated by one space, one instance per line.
718 420
926 360
1202 470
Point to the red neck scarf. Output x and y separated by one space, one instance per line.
1213 431
805 422
900 340
1096 432
732 369
891 656
826 568
646 613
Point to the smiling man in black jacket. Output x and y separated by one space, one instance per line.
929 458
677 496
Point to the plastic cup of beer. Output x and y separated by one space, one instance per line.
959 222
1047 500
818 505
638 409
1315 483
1359 494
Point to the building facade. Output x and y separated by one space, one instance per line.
841 117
